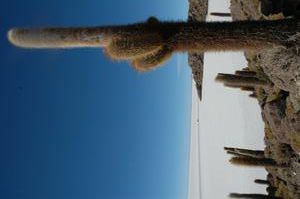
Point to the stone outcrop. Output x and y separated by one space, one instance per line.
197 12
280 101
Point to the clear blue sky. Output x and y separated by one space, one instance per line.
75 125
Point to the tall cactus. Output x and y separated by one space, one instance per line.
149 44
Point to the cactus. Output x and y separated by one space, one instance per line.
256 162
252 196
149 44
182 36
59 37
220 14
248 89
127 49
246 157
240 81
246 152
76 37
243 88
237 154
263 182
245 73
152 60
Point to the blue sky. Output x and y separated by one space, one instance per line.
74 124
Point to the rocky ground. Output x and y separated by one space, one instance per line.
279 100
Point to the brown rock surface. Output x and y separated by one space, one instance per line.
281 113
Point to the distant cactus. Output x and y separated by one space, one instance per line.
260 181
248 88
255 162
220 14
243 88
246 157
240 81
246 73
252 196
246 152
141 43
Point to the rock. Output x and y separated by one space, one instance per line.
274 7
280 112
197 12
